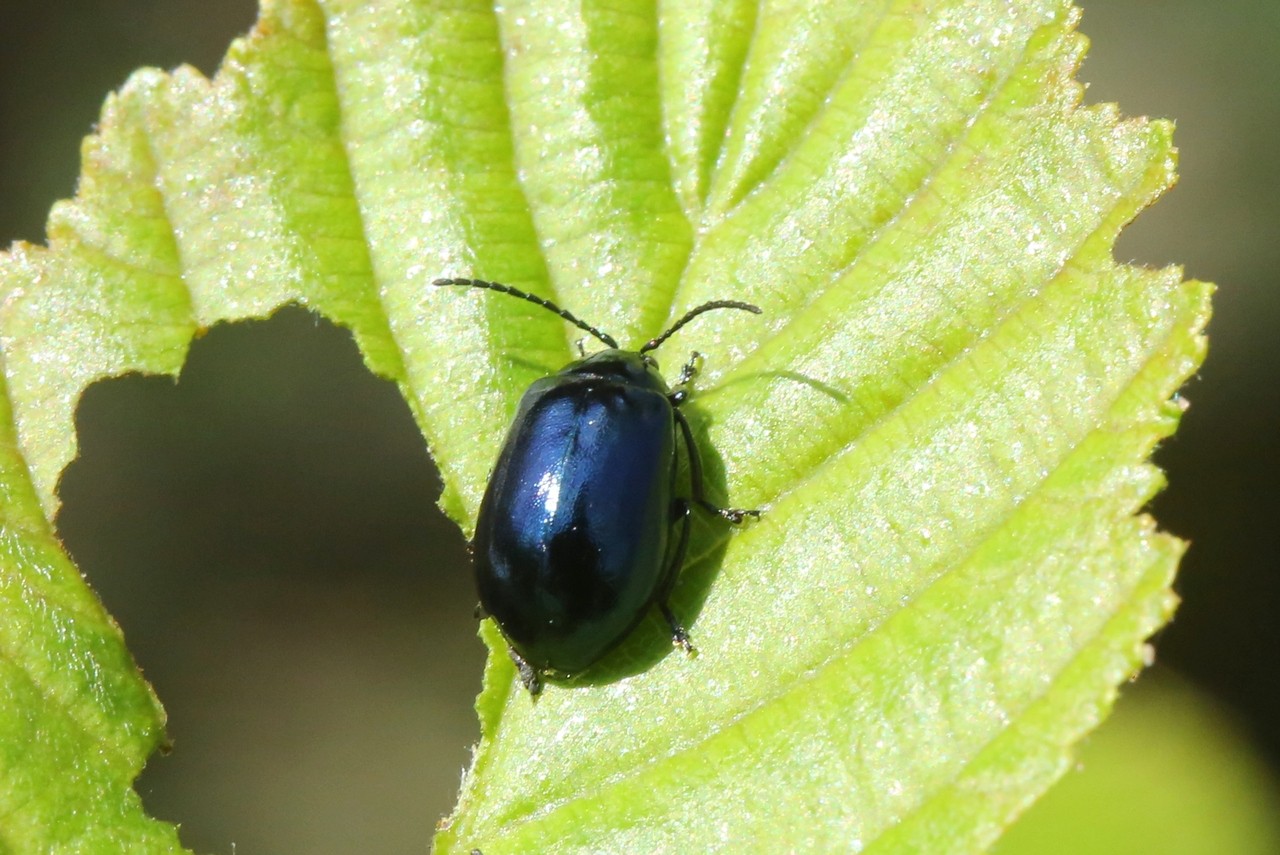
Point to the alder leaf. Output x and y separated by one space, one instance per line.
1168 772
946 409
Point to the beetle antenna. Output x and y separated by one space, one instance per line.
537 301
653 343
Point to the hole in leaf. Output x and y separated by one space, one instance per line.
265 532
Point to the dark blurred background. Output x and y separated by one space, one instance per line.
265 530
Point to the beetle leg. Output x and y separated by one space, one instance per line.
528 674
690 369
679 637
480 613
733 515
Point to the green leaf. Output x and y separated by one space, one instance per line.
946 410
1167 773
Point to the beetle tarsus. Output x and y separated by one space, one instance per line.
679 636
736 516
690 369
529 675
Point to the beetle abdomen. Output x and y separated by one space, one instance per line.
572 534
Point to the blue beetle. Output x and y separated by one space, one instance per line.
573 540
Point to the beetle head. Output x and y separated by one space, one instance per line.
620 366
